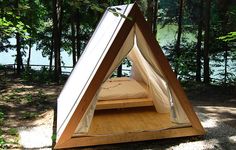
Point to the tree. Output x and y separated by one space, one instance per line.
199 42
57 29
19 61
207 43
222 12
73 38
78 33
177 45
155 17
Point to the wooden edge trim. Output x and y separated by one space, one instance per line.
129 137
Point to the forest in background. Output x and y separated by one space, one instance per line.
59 25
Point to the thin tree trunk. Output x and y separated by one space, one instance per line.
226 65
206 43
223 6
57 37
18 45
119 71
177 45
155 18
51 56
150 5
30 40
199 43
18 54
29 55
78 34
73 41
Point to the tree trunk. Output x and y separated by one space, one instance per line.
177 45
51 56
119 71
29 55
19 61
73 41
150 5
78 34
206 43
199 43
226 65
154 26
223 6
57 14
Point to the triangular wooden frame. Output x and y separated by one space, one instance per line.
65 140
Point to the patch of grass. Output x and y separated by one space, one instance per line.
1 132
12 97
18 90
54 137
13 131
38 76
2 143
29 98
41 94
29 115
1 117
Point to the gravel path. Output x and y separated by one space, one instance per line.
219 136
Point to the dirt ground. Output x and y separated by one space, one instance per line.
28 111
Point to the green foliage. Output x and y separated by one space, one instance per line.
185 62
13 131
2 143
38 76
29 98
1 117
54 137
11 24
2 140
231 36
28 115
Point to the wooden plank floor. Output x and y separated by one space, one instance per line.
118 121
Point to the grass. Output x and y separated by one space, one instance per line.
54 137
2 140
29 115
13 131
1 118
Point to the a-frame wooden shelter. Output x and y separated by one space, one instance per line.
78 97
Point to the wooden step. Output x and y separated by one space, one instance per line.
124 103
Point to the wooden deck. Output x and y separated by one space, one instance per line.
120 121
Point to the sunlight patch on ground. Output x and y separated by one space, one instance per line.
197 145
209 123
36 137
232 139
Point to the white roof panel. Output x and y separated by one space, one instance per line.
88 64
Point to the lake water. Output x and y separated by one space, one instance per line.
165 35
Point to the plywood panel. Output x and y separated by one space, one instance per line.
119 121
